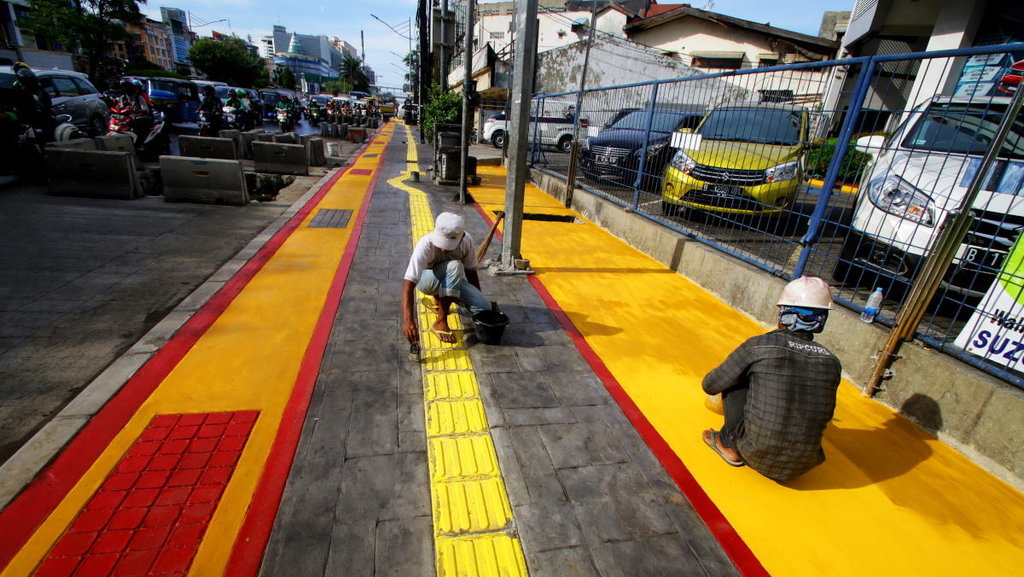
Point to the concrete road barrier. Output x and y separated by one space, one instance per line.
287 138
252 136
235 135
119 143
203 180
279 158
208 147
92 173
315 152
75 144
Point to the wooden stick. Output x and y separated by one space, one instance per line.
490 234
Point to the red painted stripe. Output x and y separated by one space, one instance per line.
25 514
746 562
251 542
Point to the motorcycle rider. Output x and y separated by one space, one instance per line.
213 109
238 100
39 113
136 100
313 111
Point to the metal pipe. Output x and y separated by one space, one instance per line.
648 123
574 152
956 226
467 108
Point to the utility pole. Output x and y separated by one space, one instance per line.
425 58
519 125
445 54
574 154
467 106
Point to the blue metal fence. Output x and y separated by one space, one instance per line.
846 169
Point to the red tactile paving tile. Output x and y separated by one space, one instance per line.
150 514
360 171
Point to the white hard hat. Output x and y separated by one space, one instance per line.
808 292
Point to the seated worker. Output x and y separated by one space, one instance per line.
779 389
443 265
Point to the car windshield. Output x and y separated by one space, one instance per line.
760 125
7 79
965 128
662 121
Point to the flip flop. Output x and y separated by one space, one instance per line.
713 443
451 334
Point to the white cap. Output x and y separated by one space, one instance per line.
448 230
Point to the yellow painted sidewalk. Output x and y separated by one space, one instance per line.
889 500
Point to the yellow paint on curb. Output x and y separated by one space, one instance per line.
474 532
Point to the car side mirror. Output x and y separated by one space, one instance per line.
870 144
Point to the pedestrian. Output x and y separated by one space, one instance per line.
779 389
443 265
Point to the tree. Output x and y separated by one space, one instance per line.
352 73
89 25
284 77
228 60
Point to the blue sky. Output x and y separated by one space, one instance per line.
347 18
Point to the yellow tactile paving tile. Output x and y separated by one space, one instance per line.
247 360
468 507
445 359
455 417
460 385
460 458
492 556
890 500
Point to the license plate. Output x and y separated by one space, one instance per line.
723 190
601 159
983 257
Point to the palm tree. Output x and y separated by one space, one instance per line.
351 71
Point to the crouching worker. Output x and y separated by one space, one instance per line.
779 389
443 265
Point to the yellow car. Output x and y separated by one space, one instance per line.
742 159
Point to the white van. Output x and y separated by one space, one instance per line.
918 178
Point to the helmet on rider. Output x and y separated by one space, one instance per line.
131 85
209 91
241 93
26 77
19 66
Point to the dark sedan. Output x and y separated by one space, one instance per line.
615 153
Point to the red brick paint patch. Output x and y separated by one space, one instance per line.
361 171
152 511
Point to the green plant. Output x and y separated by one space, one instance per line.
442 106
850 168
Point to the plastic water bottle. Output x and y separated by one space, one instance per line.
872 307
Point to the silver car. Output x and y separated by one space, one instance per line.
71 94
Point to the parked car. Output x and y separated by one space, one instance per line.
71 94
552 130
742 159
919 177
616 152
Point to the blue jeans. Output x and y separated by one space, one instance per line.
448 280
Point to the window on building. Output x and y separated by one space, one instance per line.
718 60
767 59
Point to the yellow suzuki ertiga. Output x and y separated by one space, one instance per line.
742 159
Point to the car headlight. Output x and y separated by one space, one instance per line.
683 163
897 196
651 150
781 172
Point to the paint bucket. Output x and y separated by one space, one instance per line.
490 326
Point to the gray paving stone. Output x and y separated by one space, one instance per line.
547 416
516 390
581 444
667 556
384 487
614 504
352 548
404 547
542 484
511 470
548 526
571 562
579 388
374 424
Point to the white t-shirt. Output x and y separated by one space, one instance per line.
426 255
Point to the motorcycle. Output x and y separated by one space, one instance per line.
234 118
148 131
315 115
210 123
27 162
286 120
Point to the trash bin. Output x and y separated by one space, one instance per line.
490 326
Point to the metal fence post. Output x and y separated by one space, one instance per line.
648 122
935 265
842 144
